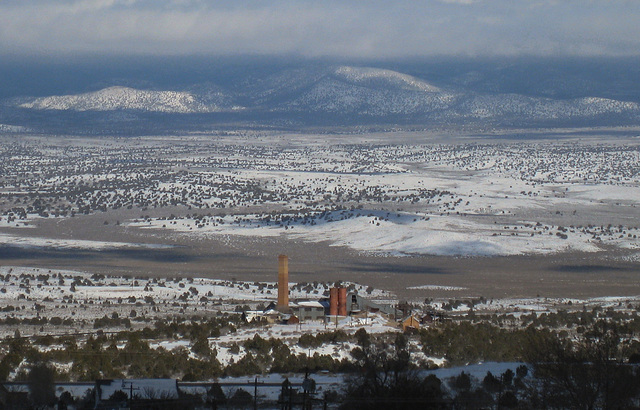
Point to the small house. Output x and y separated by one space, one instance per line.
410 322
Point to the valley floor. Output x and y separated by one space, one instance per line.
549 214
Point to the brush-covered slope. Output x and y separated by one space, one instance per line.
125 98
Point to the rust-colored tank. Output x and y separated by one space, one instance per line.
342 302
333 301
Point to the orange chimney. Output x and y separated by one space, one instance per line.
283 282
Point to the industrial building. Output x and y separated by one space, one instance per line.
340 303
310 309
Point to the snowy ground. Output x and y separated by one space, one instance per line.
77 299
473 199
80 298
460 218
374 197
73 300
403 233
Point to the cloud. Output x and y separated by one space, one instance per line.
458 1
372 29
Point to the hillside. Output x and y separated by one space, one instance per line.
324 95
125 98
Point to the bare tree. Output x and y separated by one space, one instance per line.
588 374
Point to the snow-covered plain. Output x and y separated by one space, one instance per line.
27 241
473 199
410 233
469 200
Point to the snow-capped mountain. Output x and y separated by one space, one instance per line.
378 77
335 95
379 93
370 92
125 98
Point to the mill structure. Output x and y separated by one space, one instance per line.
283 283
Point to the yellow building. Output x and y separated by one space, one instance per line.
410 323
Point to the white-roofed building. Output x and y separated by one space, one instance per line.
310 309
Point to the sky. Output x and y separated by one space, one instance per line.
318 28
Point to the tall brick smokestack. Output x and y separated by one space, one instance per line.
283 282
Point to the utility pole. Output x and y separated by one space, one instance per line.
131 389
308 389
255 393
285 395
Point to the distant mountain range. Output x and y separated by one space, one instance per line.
332 95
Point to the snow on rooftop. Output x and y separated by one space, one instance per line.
310 303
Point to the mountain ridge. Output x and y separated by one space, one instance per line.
337 95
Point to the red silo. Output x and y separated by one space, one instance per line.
333 301
342 302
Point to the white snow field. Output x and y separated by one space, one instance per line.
467 200
459 199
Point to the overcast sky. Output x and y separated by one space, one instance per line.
345 28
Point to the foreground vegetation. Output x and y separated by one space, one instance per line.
198 344
579 359
598 368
